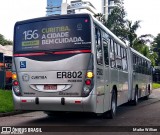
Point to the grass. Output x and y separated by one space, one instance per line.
6 101
155 85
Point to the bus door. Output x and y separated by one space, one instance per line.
100 71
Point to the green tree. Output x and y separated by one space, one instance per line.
101 18
153 57
130 30
4 41
126 31
141 42
156 48
116 22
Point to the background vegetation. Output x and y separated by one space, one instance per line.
4 41
6 101
155 85
126 30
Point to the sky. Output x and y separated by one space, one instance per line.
148 12
11 11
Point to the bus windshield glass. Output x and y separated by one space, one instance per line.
53 35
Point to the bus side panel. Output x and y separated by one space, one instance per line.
100 89
123 86
142 81
135 82
114 81
107 98
143 86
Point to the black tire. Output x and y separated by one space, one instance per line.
135 101
146 97
149 92
112 113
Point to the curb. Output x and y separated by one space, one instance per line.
12 113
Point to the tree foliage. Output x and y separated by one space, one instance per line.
116 22
156 48
4 41
101 18
126 30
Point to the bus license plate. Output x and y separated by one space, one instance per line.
50 87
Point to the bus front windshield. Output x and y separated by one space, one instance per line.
53 35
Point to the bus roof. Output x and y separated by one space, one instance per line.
134 51
52 17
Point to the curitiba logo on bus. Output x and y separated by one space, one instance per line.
52 35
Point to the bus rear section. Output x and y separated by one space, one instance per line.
53 64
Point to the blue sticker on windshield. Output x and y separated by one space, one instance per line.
22 64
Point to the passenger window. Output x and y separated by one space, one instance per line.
115 48
111 46
112 53
99 47
149 68
119 57
140 65
133 62
126 68
124 60
105 46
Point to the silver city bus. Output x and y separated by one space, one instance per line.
73 63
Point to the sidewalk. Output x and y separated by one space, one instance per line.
12 113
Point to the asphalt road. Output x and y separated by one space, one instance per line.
146 113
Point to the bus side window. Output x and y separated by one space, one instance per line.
105 46
140 65
112 54
137 63
124 59
145 67
133 62
119 57
99 47
149 68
